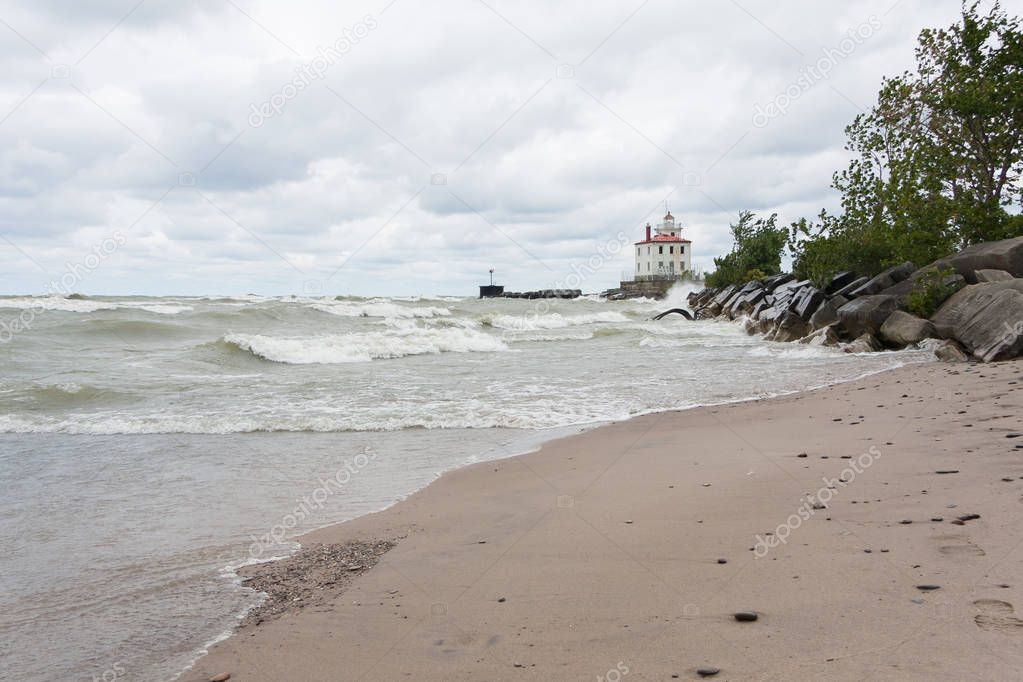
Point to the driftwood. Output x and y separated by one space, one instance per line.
679 311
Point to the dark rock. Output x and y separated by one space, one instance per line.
722 561
1006 255
902 329
985 319
772 283
805 303
866 314
746 616
928 588
822 337
992 276
950 351
791 327
852 286
827 313
707 672
969 517
947 471
222 677
866 343
882 281
839 281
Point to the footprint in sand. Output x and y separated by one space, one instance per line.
996 615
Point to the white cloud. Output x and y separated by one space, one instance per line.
541 164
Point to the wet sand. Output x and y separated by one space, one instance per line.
623 553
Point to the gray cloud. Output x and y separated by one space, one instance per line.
550 130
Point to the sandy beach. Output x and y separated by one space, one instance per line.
624 552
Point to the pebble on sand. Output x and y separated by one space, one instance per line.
746 616
928 588
222 677
707 672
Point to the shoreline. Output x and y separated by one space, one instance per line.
434 515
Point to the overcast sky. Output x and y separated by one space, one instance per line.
234 146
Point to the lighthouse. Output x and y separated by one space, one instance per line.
663 253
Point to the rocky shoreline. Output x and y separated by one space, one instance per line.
982 320
313 576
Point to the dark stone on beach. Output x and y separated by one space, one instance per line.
707 672
222 677
865 343
886 279
905 522
746 616
866 314
983 319
958 522
947 471
501 600
1008 480
827 313
928 588
852 286
722 561
1006 255
902 329
991 276
969 517
938 519
802 455
839 281
791 327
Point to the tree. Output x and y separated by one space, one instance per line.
937 162
756 252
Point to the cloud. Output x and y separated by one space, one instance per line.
432 144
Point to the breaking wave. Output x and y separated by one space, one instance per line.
532 322
365 347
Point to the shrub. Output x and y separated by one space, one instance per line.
931 290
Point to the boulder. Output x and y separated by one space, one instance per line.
992 276
769 318
902 329
806 302
791 327
825 336
995 330
950 351
827 313
1006 255
866 343
963 304
866 314
888 278
772 283
852 286
954 281
840 281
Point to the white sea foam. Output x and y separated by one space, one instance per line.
82 305
379 308
367 346
533 322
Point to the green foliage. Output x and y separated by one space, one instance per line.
755 254
931 290
937 162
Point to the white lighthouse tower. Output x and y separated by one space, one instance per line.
665 254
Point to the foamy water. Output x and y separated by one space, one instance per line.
149 445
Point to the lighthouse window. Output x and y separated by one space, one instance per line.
637 250
660 249
671 249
